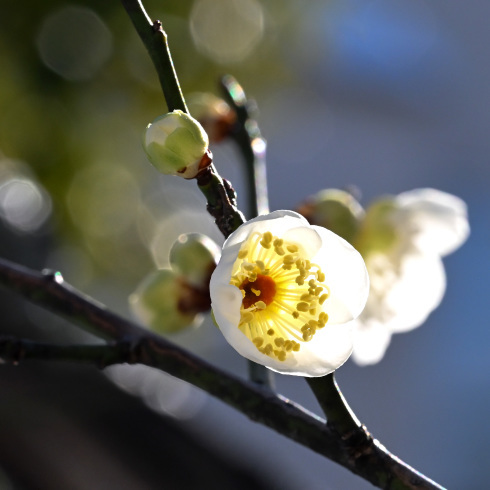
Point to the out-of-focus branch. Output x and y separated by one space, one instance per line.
252 146
133 344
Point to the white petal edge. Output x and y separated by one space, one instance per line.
438 219
370 342
346 274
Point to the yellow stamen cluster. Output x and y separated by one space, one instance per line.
283 295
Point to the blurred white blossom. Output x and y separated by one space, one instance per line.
402 239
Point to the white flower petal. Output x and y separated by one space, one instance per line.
344 267
281 220
418 291
371 339
436 220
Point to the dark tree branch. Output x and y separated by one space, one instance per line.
132 344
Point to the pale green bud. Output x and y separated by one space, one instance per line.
159 302
379 231
336 210
176 144
194 256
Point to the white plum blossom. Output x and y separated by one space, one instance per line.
284 294
406 272
402 240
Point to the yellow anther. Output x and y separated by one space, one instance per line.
248 266
288 259
302 306
313 324
247 317
307 337
266 239
270 331
322 298
255 291
279 250
318 290
312 283
299 280
323 318
278 242
307 264
306 297
260 305
292 248
260 265
313 311
288 345
242 254
279 342
268 349
320 275
296 346
287 267
281 356
258 341
305 328
295 314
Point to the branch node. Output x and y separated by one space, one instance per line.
50 275
157 27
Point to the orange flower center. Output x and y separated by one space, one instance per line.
262 289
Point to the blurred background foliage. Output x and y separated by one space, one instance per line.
385 95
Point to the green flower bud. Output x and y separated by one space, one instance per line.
194 257
176 144
378 232
159 302
215 115
335 210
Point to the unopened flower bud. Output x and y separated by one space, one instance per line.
161 302
378 232
215 115
176 144
194 257
334 209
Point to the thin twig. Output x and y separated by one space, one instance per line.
252 146
155 40
339 415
